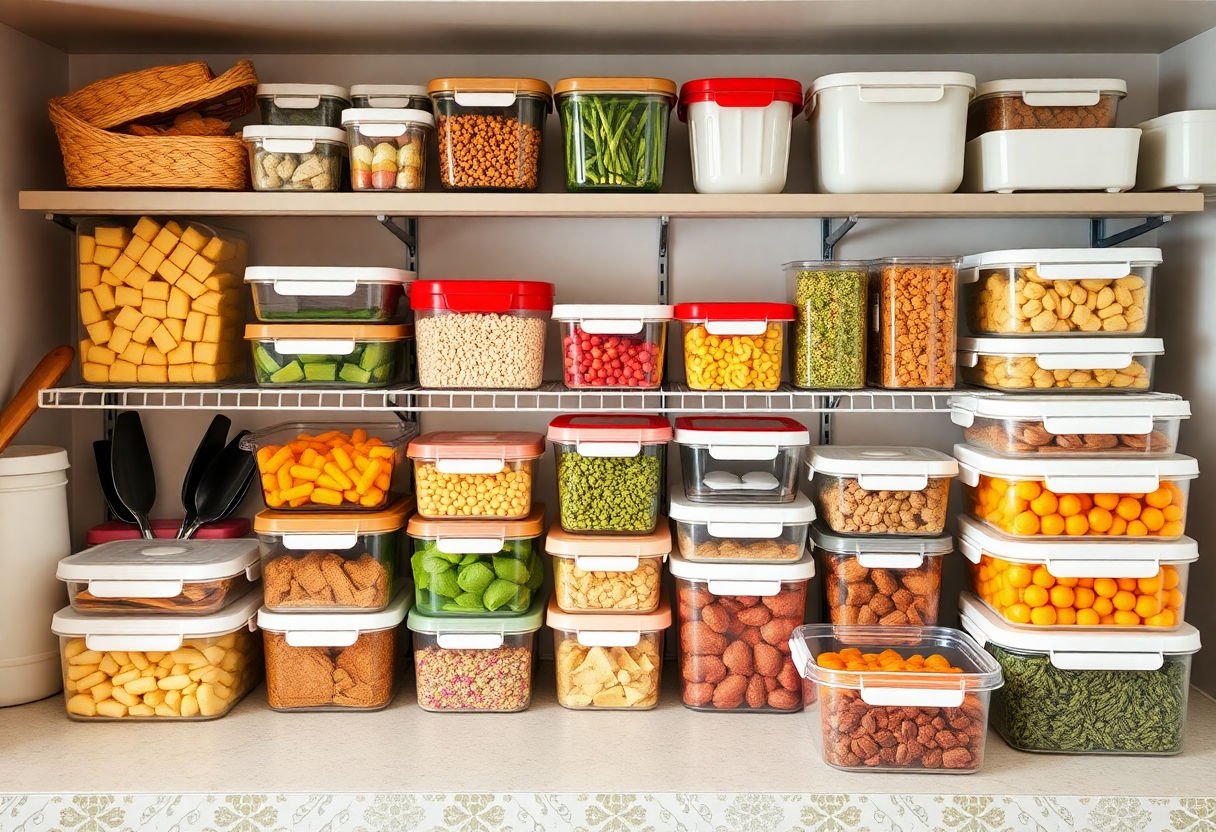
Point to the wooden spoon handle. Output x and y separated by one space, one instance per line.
22 405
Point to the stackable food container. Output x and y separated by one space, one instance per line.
1175 152
613 345
388 148
285 157
1051 103
832 299
316 105
330 355
390 96
873 489
741 459
329 294
734 346
1066 159
911 345
475 474
1063 365
608 573
740 532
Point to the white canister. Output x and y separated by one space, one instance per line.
1178 150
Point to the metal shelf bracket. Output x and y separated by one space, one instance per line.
831 236
1098 237
664 224
62 220
406 232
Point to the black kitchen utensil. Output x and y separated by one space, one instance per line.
105 474
209 447
131 463
223 484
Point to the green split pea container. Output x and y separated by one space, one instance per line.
828 350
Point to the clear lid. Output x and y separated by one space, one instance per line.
1076 474
1063 353
741 515
444 626
390 519
816 265
388 90
589 314
1179 118
885 551
616 83
608 434
327 281
495 531
485 296
610 552
881 467
502 446
746 431
324 333
23 460
277 91
614 629
158 568
387 115
155 632
1054 92
735 575
334 629
720 311
393 434
1128 414
305 132
1064 263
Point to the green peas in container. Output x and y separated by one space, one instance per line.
831 303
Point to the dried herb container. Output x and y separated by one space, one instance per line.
829 344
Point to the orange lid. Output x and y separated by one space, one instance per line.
329 332
390 519
519 86
460 444
531 526
610 622
616 83
563 544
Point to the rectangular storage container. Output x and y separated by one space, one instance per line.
165 529
1060 365
329 294
741 459
1086 691
874 489
740 532
1175 152
332 661
1069 159
391 96
388 148
912 699
1068 498
475 474
1028 103
475 664
613 345
888 132
608 573
330 355
477 567
158 667
490 132
287 158
146 577
317 105
735 622
481 334
890 581
734 346
911 344
831 299
610 471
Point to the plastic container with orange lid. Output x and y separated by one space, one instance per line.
608 573
475 474
330 355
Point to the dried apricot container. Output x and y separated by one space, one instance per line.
608 573
472 474
1027 103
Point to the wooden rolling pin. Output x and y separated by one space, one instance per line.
22 405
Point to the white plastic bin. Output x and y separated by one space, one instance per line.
1178 150
1066 159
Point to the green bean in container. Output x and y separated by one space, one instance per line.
829 343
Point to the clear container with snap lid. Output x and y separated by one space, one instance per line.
158 667
471 474
329 294
1060 365
875 489
332 661
317 105
741 459
1029 103
740 532
734 346
388 148
911 344
331 562
890 580
608 662
295 158
613 345
1084 691
330 355
169 577
477 567
391 96
608 573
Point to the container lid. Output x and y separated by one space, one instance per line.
869 544
481 295
611 626
713 571
1179 118
825 265
1029 86
518 86
333 629
721 517
1128 414
386 115
1065 263
477 625
1075 353
881 467
740 92
461 444
328 332
632 430
602 547
616 83
325 281
1076 474
255 132
590 312
390 519
155 632
747 431
166 529
23 460
696 312
895 82
158 568
498 530
388 90
302 90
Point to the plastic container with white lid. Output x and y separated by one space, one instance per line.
1027 103
1175 152
295 158
741 459
1065 366
608 573
1043 292
734 346
1052 159
475 473
607 661
744 533
889 132
876 489
388 148
332 661
391 96
158 667
319 105
329 294
1145 424
613 345
1083 691
170 577
1068 498
330 355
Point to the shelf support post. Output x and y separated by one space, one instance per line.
831 236
664 224
1098 237
63 221
825 420
406 232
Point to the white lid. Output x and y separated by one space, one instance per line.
724 431
801 510
22 460
389 90
800 570
1032 85
1130 414
255 132
891 79
1063 353
155 632
1064 263
611 311
1178 118
327 274
333 629
881 467
1076 474
302 90
158 568
864 545
381 115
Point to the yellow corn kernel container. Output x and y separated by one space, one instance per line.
734 346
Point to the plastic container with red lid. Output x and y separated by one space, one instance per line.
741 459
475 474
734 346
165 529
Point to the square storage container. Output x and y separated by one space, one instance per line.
610 471
481 334
391 96
740 532
1060 365
912 699
1069 498
614 130
831 299
613 345
490 132
1068 159
388 148
469 474
608 573
734 346
888 132
330 355
1175 152
146 577
911 346
287 158
477 567
739 132
741 459
316 105
874 489
329 294
332 661
1086 691
332 562
735 622
608 662
165 529
889 581
1029 103
475 664
158 667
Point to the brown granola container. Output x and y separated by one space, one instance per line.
1028 103
872 489
912 346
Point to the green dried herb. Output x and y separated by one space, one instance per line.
609 494
830 328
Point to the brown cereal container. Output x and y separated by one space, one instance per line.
608 573
873 489
912 345
1028 103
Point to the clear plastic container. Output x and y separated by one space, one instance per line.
613 345
145 577
1087 691
740 532
158 667
741 459
610 471
490 132
1068 498
614 130
329 294
332 661
287 158
608 573
331 562
1056 291
832 302
475 664
887 581
330 355
469 474
318 105
1142 425
300 462
391 96
1060 365
896 713
481 334
608 662
734 346
477 567
388 148
1025 103
735 622
874 489
912 344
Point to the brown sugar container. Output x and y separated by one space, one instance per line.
911 345
880 489
1029 103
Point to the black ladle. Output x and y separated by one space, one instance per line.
223 485
209 447
101 455
134 476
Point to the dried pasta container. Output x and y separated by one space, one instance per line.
290 158
329 294
1028 103
741 532
317 105
873 489
912 344
1060 365
391 96
741 459
832 302
472 474
388 148
613 345
608 573
330 355
734 346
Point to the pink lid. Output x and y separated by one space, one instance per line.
564 544
730 311
459 444
735 424
164 529
608 427
612 622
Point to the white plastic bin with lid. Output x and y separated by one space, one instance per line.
613 345
388 148
318 105
1069 159
1176 152
471 474
391 96
1029 103
286 157
329 294
889 132
1084 691
608 573
1060 365
741 459
740 532
877 489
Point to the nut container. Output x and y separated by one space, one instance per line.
391 96
741 532
912 344
329 294
832 302
289 158
468 474
741 459
1028 103
608 573
330 355
734 346
317 105
1065 365
874 489
388 148
613 345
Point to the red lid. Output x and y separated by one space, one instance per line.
165 528
734 312
481 295
726 423
608 427
740 92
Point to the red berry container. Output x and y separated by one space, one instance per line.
613 345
